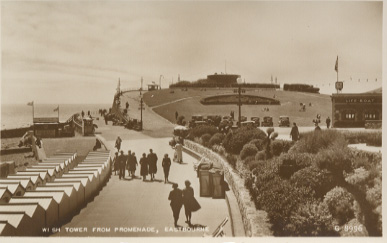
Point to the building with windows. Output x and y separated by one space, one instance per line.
356 110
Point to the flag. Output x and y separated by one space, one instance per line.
337 64
56 109
30 103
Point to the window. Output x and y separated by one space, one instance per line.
349 115
371 115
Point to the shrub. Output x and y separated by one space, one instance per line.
313 142
321 181
205 139
261 155
231 159
198 131
248 150
336 159
216 139
234 143
292 162
280 146
340 204
259 143
180 120
311 219
370 138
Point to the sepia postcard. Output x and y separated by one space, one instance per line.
213 121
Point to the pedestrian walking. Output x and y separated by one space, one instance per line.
294 133
128 160
166 166
133 164
152 164
189 201
317 128
176 115
176 198
83 113
127 105
115 163
328 121
144 167
121 164
118 143
179 152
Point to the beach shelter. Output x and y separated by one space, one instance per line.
99 169
51 172
6 229
32 210
25 183
96 177
57 168
70 192
54 161
102 167
70 154
44 175
78 187
5 195
60 198
49 205
84 181
14 187
23 224
36 180
64 168
92 186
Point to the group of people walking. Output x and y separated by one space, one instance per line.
148 163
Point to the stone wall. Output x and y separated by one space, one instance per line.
255 221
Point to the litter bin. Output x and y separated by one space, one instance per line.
217 181
205 182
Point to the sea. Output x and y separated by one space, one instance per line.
20 115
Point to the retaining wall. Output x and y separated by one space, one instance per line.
255 221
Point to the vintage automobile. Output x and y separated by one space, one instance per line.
267 121
256 120
197 118
248 124
284 121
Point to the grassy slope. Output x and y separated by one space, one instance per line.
289 105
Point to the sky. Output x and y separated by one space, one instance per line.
75 52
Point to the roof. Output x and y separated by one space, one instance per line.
42 175
13 219
95 173
3 192
58 196
84 181
32 178
69 190
57 168
23 182
51 172
76 185
12 187
29 209
44 202
62 165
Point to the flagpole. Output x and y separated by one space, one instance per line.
58 113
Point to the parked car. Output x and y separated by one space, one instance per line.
248 124
256 120
284 121
267 121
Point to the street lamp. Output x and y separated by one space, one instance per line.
239 80
141 107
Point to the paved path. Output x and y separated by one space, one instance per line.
134 204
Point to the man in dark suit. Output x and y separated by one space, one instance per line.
176 197
122 164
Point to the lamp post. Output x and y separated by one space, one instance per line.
239 80
141 107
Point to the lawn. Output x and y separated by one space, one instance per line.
190 105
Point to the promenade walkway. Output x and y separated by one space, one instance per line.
131 208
